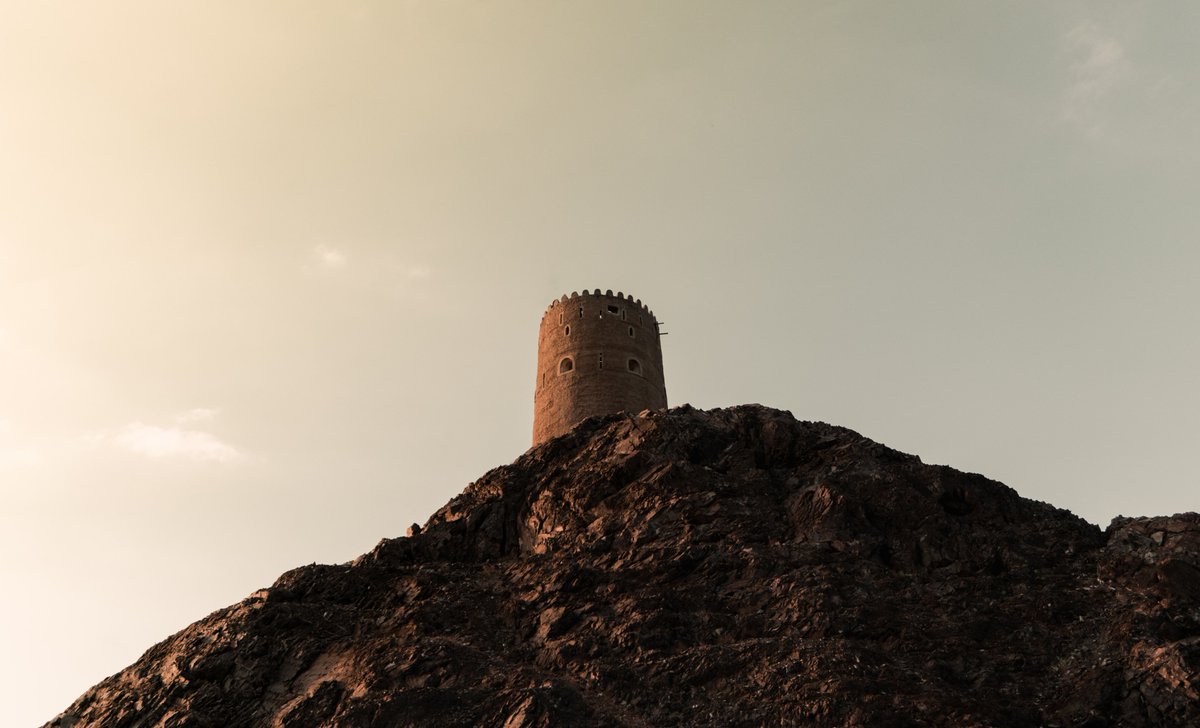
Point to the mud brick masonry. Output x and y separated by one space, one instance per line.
598 353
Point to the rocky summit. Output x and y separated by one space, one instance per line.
732 567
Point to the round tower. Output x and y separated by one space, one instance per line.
598 353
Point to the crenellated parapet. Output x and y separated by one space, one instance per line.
566 300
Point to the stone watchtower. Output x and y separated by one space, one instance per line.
597 354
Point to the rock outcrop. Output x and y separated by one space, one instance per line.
732 567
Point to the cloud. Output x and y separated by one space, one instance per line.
1098 65
180 441
419 272
198 414
159 443
329 257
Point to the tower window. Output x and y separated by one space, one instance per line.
635 366
567 331
601 361
565 365
581 312
560 317
631 332
614 309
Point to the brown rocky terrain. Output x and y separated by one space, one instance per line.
733 567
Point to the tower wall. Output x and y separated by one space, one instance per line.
612 344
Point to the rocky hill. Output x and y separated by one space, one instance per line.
733 567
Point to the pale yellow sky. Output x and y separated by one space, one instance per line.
271 273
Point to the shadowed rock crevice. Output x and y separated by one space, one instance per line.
732 567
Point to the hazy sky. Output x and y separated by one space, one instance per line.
271 272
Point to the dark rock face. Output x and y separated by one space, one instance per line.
725 568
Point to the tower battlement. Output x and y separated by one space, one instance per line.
566 299
598 353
